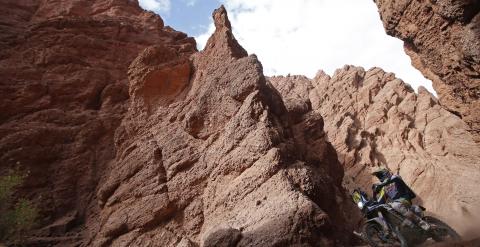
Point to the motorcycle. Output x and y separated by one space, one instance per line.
384 226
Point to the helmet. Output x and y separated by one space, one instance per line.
382 173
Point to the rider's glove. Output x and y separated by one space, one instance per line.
376 188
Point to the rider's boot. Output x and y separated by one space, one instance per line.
419 221
424 225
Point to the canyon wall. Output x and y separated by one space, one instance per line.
208 155
442 38
131 137
376 120
64 92
193 149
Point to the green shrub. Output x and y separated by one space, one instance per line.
18 216
7 185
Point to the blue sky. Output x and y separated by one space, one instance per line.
190 16
298 36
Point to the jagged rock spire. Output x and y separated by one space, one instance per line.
222 39
220 18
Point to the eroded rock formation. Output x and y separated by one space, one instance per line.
132 138
374 119
207 155
64 92
195 150
443 40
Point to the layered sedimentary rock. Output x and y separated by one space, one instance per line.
443 40
208 156
375 120
186 148
64 89
190 150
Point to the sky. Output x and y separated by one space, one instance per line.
298 37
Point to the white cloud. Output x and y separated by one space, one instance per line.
190 3
303 36
162 6
203 38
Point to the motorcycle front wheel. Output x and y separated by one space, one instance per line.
441 232
375 236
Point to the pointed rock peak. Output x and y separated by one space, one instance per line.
423 92
321 75
220 18
222 43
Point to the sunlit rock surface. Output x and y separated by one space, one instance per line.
443 40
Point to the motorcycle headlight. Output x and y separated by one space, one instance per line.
360 205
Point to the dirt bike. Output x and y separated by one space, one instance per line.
384 226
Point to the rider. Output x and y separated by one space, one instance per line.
398 194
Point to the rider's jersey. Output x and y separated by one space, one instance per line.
395 189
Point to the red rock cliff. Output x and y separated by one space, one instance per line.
374 119
443 40
132 138
192 149
207 155
64 92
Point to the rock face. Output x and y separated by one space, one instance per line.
374 119
443 39
64 92
194 149
208 156
132 138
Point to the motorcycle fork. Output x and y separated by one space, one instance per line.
383 223
403 241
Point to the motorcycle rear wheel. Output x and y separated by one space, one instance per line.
441 232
